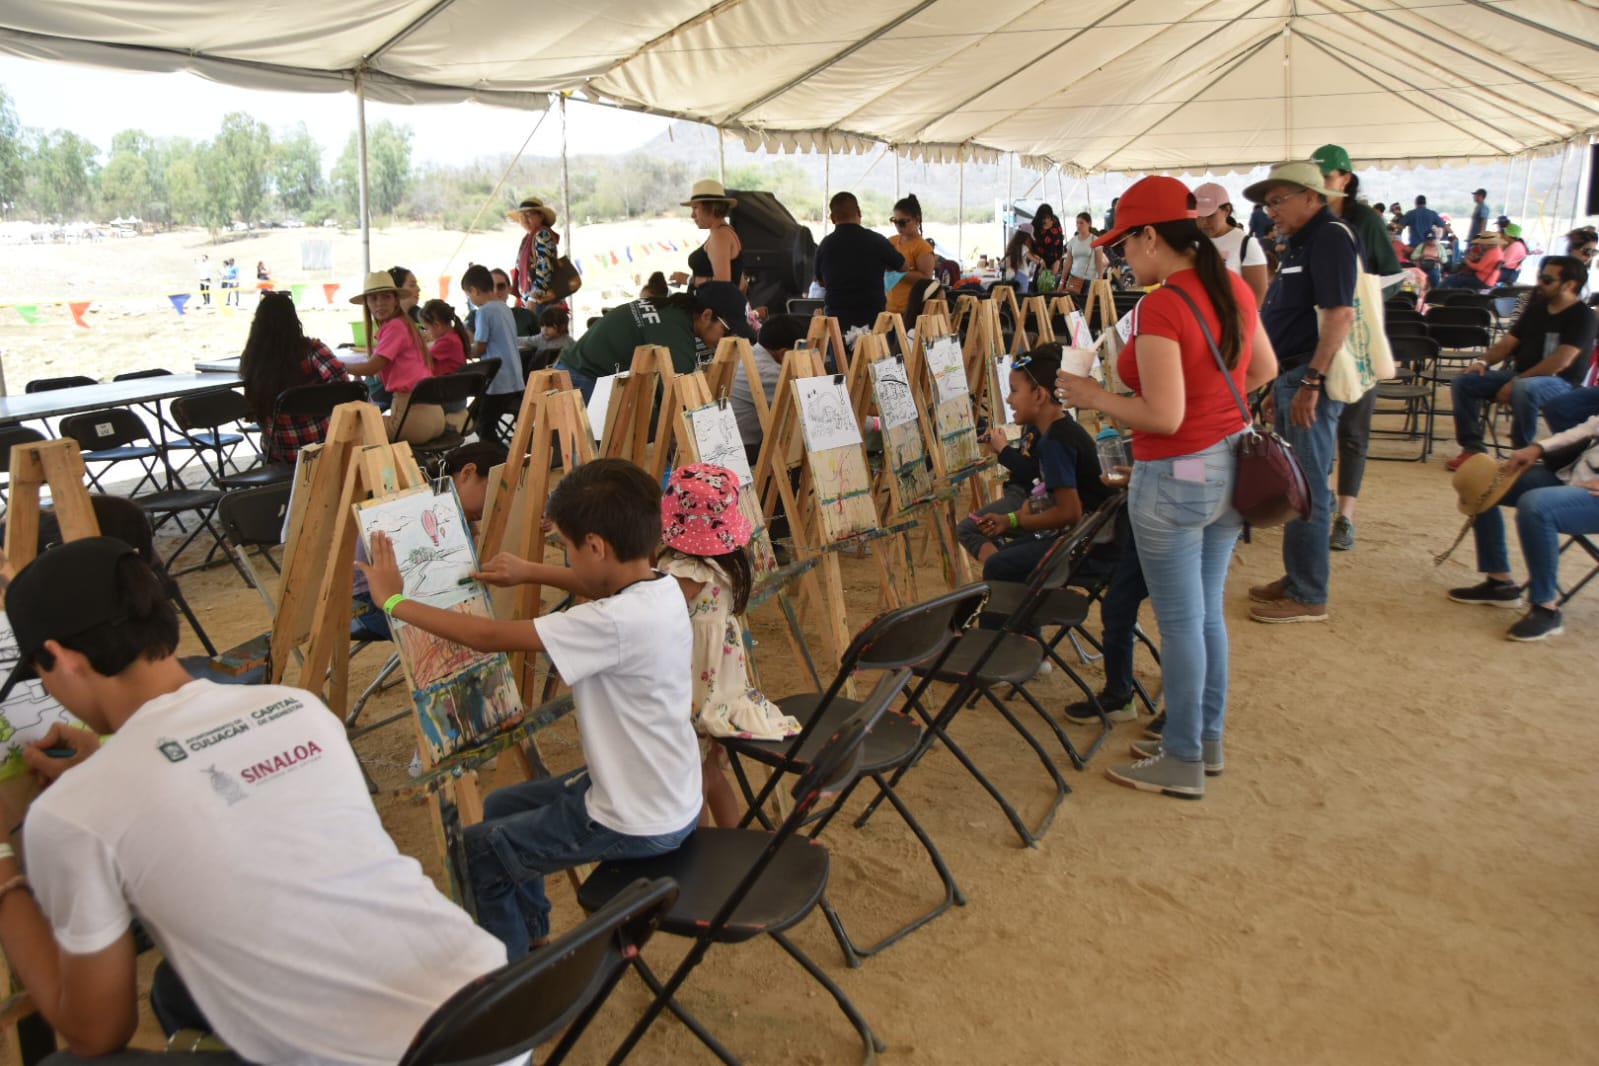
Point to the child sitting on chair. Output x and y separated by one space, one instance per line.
626 654
705 535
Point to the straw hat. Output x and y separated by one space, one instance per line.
1488 238
699 511
532 203
1481 482
709 191
1306 175
377 281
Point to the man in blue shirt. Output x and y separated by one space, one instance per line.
1422 221
850 264
1307 314
1479 215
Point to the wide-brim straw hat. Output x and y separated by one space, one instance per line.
709 191
1481 482
1488 238
1306 175
532 203
377 281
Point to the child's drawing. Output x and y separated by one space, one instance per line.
826 413
716 434
1003 380
893 392
843 492
952 420
432 658
471 705
27 714
906 458
945 363
431 540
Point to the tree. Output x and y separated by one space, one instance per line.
127 184
12 150
297 170
59 175
388 159
216 171
243 160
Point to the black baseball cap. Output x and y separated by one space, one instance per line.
723 300
64 592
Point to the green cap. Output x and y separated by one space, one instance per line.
1331 157
1512 230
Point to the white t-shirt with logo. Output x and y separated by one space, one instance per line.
234 821
1231 243
629 660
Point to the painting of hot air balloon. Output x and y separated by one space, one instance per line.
431 541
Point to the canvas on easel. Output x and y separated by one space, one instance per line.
951 403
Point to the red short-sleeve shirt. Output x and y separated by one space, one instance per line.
1209 413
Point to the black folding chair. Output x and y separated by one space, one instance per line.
10 437
1403 297
737 884
1581 542
200 417
981 659
52 384
1441 297
110 436
137 375
1415 390
299 401
1406 313
509 1012
253 518
917 634
799 305
447 390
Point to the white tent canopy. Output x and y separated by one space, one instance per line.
1091 85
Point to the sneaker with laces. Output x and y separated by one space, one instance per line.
1490 592
1269 592
1454 464
1156 726
1118 708
1163 774
1285 611
1538 623
1212 754
1343 535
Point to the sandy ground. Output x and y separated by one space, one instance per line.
1398 866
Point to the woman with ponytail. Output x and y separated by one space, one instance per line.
1186 420
916 249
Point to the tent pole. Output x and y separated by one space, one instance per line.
721 159
1010 180
827 190
896 172
1526 192
960 213
1510 170
361 192
1583 155
1560 188
566 193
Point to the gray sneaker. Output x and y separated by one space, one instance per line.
1184 780
1343 535
1214 763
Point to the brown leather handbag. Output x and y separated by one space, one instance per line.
1270 487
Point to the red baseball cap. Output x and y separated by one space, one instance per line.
1156 198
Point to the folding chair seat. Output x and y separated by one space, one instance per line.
505 1014
738 884
110 436
915 634
200 417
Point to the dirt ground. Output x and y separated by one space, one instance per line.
1397 867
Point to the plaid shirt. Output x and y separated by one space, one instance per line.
289 433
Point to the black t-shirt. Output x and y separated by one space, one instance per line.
850 264
1319 269
1538 333
1067 459
1020 462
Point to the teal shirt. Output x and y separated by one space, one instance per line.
608 345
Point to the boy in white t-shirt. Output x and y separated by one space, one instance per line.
233 820
1240 250
627 655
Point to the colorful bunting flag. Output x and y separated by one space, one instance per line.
629 251
444 286
29 312
178 300
78 307
329 288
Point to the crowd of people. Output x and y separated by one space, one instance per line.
178 827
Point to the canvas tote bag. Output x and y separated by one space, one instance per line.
1366 356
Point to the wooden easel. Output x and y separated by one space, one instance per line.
1101 298
890 324
938 305
825 336
1034 309
955 469
58 464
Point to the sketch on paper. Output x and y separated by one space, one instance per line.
716 435
893 392
600 402
826 414
431 540
945 363
1003 371
432 658
843 492
27 714
469 705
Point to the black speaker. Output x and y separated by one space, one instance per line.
1593 180
779 253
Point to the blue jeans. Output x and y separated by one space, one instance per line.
1545 508
582 382
1118 611
1306 556
1016 560
1568 408
1527 397
537 828
1011 498
1186 531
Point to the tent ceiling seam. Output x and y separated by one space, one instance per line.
1533 24
414 25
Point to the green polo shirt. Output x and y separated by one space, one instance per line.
607 346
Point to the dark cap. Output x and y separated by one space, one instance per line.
723 300
62 593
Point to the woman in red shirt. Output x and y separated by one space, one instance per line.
1186 421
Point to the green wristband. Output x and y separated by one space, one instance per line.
392 602
1015 520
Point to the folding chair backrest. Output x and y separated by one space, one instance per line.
1402 314
1403 296
1413 350
1444 297
10 437
799 305
52 384
253 518
507 1013
837 764
117 517
1456 315
1401 328
209 410
135 375
910 636
319 400
487 368
1054 570
1456 337
459 387
112 427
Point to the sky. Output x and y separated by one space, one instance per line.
96 103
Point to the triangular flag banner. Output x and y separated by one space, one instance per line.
629 251
444 286
615 261
329 288
78 308
178 300
29 312
297 294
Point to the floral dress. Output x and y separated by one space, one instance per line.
725 703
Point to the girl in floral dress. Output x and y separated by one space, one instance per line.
705 535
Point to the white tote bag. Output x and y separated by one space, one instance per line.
1366 357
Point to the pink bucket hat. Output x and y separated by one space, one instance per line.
699 511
